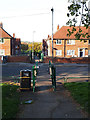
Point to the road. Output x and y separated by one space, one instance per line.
13 69
48 103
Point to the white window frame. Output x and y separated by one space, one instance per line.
58 52
71 52
1 39
88 52
57 43
71 42
2 52
68 52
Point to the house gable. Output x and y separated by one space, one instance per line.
4 34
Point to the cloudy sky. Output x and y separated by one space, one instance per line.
32 19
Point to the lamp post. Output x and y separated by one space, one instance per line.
52 32
33 46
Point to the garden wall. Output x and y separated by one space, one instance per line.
84 60
26 59
18 59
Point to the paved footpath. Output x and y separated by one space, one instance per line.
46 102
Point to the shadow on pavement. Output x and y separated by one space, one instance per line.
43 88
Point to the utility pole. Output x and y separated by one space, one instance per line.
52 32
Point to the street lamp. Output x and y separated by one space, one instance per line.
33 46
52 32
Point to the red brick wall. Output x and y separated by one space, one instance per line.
18 59
84 60
75 47
6 46
46 59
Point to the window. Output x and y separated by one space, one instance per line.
58 52
70 52
16 52
58 42
16 46
88 52
2 52
1 40
71 42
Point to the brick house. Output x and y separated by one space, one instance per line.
9 45
65 46
44 47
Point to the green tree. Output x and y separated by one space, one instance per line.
36 46
24 48
78 10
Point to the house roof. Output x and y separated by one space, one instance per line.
4 34
62 32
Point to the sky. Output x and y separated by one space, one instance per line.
31 20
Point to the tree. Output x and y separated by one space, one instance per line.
24 48
78 10
37 46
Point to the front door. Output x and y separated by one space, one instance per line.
81 52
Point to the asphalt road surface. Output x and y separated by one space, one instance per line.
13 69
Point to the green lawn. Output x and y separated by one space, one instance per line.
80 92
10 97
10 100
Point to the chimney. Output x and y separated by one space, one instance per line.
1 24
13 35
48 36
58 27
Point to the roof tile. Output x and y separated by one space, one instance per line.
62 32
4 34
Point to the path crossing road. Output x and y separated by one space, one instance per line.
48 103
13 69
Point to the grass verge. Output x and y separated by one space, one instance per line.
10 100
80 92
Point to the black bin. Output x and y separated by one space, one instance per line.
25 79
